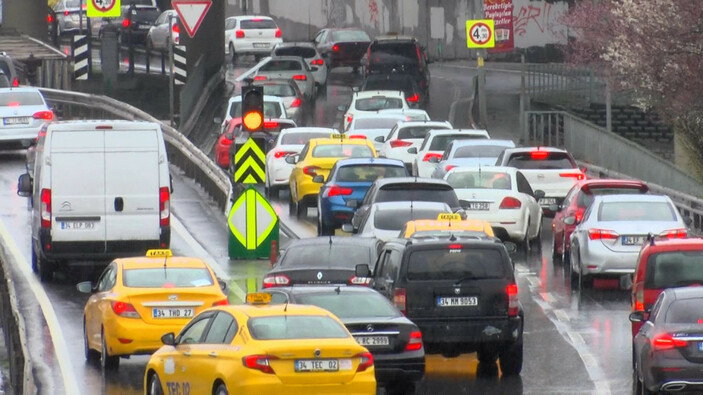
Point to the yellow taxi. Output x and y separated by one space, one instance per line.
136 300
446 223
314 163
261 348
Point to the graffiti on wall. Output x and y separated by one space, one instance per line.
373 12
536 23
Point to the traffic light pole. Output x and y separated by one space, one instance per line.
171 77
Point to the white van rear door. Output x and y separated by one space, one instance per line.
132 184
77 186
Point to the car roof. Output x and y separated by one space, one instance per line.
462 143
395 76
336 240
470 169
366 161
530 149
308 289
335 141
306 44
407 180
676 244
393 37
406 204
681 293
369 94
420 122
449 239
21 89
248 17
591 182
631 197
287 57
435 132
378 114
308 129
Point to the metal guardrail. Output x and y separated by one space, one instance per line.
21 378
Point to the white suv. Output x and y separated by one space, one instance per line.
434 144
368 102
406 135
254 35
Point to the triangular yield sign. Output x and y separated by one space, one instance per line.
191 13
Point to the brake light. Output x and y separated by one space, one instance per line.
399 299
124 310
259 78
414 342
65 12
270 124
277 33
335 47
419 56
336 190
280 154
400 143
356 136
45 199
310 170
316 62
49 18
239 33
365 362
510 203
665 341
222 302
412 99
431 155
448 167
259 362
13 104
454 246
295 102
175 28
300 77
354 280
602 234
275 280
674 233
511 292
578 216
43 115
348 118
125 23
164 206
577 176
539 155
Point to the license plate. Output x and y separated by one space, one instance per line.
547 201
78 225
316 365
457 301
261 45
159 312
16 120
372 340
632 240
145 26
477 206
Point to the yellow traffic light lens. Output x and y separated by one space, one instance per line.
252 120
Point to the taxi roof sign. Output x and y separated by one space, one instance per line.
258 298
449 217
160 253
338 136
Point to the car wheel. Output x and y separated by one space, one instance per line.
232 54
35 260
322 228
273 192
301 210
291 206
525 242
510 359
90 354
155 385
536 243
221 390
149 44
564 254
44 267
556 256
585 280
487 355
400 388
573 262
107 362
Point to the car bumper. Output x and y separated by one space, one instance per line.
280 175
336 215
506 224
97 250
399 367
307 188
244 47
143 338
669 373
599 260
18 135
362 383
466 335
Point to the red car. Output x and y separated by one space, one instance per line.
580 196
665 263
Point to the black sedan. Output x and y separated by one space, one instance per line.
668 349
323 260
394 341
342 47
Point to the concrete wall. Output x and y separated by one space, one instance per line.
439 24
25 16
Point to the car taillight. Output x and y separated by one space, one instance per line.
578 216
222 302
310 170
270 124
277 33
15 82
356 136
280 154
639 298
431 155
354 280
49 18
295 102
124 310
175 28
510 203
511 292
412 99
348 118
674 233
275 280
164 206
259 78
414 342
45 199
664 341
316 62
65 13
400 143
336 190
43 115
366 361
448 167
399 299
259 362
335 47
419 56
602 234
125 23
539 155
577 176
239 33
300 77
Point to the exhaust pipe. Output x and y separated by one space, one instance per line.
673 386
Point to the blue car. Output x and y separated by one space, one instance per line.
349 179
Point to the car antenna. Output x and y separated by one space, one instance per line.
337 290
330 243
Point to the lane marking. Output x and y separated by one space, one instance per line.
52 321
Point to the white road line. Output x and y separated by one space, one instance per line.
52 321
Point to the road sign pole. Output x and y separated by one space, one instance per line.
482 111
171 77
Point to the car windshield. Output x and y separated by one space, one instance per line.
418 192
394 53
341 151
336 255
479 151
415 132
543 160
168 277
350 304
395 219
280 90
350 35
673 269
686 311
300 138
281 65
14 99
290 327
441 142
374 123
378 103
585 198
368 173
303 52
455 263
636 211
271 110
257 24
480 180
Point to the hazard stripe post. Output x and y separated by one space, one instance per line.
80 57
253 226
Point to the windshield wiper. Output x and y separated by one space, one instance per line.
468 276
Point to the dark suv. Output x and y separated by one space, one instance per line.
137 17
460 292
401 55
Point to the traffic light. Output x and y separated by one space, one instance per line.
252 108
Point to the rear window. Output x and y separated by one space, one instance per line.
257 24
685 311
441 142
674 269
351 305
395 84
378 103
341 151
303 52
423 193
455 264
552 160
350 35
636 211
166 278
586 195
280 90
396 219
271 110
281 65
375 123
394 53
479 151
10 99
368 173
480 180
301 138
325 255
4 81
289 327
417 132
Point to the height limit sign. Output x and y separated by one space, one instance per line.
479 33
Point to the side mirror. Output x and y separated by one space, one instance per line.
464 203
24 185
217 120
637 316
223 285
318 179
380 139
169 339
553 207
347 228
570 220
290 159
229 136
412 150
29 143
362 270
353 203
433 159
687 220
85 287
341 108
355 88
539 194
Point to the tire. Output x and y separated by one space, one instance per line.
525 242
221 390
154 386
487 355
107 362
35 260
536 243
90 355
565 257
510 359
291 206
322 228
585 281
400 388
556 256
301 210
44 268
232 54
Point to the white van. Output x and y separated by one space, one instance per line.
101 189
